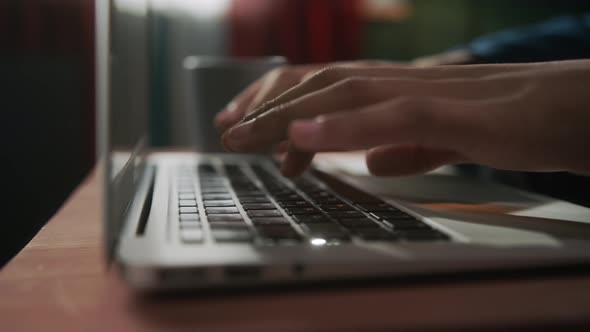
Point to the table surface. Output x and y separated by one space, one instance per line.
59 282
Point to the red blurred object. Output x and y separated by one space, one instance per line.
305 31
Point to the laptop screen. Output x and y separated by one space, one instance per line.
122 103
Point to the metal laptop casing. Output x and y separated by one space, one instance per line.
501 229
481 240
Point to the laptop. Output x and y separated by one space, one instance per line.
189 220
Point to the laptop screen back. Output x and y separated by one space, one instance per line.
122 104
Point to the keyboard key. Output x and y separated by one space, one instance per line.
188 209
231 235
221 210
213 183
239 178
375 234
281 192
360 197
299 203
269 220
393 215
208 173
226 203
377 207
327 231
264 213
345 214
208 182
233 169
278 232
259 206
325 227
187 202
191 235
206 167
328 200
216 197
321 194
357 222
190 224
254 200
336 207
287 197
240 225
311 219
225 217
407 224
219 191
189 217
302 211
242 182
275 184
250 193
187 196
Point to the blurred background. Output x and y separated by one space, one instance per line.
47 71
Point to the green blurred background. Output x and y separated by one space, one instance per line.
436 25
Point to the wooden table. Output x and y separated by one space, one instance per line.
59 283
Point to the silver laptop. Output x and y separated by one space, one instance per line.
190 220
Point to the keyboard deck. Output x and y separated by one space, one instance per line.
250 203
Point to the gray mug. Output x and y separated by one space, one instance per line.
212 82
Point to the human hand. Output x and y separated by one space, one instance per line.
522 117
270 86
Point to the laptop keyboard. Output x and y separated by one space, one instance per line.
249 203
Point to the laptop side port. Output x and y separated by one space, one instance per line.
182 276
298 269
244 272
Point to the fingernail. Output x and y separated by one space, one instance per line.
226 118
221 117
231 107
305 133
237 134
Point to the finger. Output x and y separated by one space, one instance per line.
401 160
235 110
354 93
295 162
282 147
228 117
436 123
271 127
270 86
277 82
332 75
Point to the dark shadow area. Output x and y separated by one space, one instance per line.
47 102
44 138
